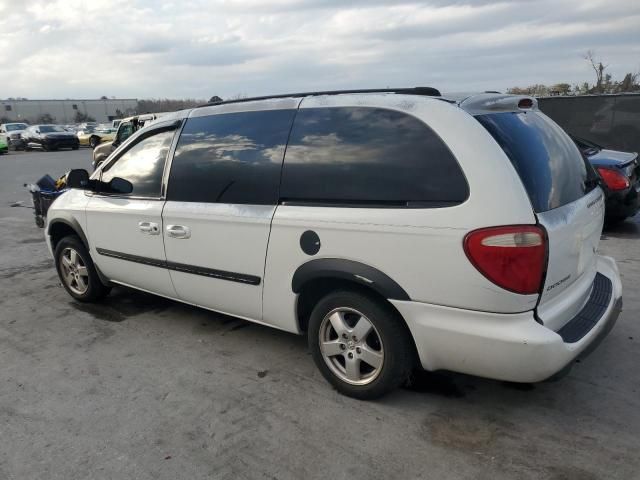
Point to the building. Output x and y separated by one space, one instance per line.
66 111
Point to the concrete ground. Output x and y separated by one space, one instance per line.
144 388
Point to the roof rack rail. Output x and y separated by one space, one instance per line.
427 91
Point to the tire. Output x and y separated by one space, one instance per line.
80 281
94 142
343 361
612 221
75 147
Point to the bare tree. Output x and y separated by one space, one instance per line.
598 68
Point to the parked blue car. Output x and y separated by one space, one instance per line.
620 174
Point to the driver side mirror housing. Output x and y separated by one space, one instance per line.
120 185
78 178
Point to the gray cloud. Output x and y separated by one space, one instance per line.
198 48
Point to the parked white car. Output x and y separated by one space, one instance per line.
13 133
395 228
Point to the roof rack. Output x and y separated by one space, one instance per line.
427 91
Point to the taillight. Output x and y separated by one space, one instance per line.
513 257
614 180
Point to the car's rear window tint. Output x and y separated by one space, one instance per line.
546 159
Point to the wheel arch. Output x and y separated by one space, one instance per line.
316 278
62 227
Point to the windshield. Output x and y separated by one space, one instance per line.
12 127
548 162
50 128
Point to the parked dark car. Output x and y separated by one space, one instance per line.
49 137
620 174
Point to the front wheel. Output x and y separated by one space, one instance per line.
360 344
77 272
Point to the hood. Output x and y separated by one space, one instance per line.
59 134
612 158
104 147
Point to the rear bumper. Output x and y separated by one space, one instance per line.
512 347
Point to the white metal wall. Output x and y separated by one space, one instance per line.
64 111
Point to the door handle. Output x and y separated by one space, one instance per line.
178 231
150 228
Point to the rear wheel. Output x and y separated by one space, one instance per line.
77 272
360 344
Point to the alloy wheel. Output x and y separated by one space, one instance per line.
74 271
351 346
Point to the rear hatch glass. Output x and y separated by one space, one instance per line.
548 162
562 188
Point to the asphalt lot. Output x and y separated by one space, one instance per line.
144 388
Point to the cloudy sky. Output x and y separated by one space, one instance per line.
198 48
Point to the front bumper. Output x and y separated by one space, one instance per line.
15 143
61 143
511 347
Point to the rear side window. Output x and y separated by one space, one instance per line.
548 162
231 158
369 156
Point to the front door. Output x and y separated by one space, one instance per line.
222 194
125 228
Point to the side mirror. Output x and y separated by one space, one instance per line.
120 185
38 132
78 178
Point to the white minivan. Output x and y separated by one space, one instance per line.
395 228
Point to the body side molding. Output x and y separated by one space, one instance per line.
181 267
348 270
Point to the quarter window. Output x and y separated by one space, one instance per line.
230 158
142 165
548 162
369 156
